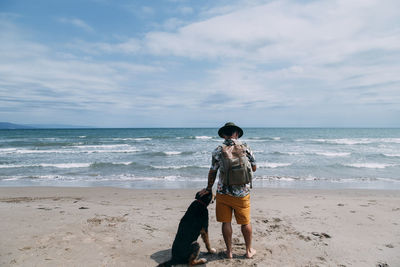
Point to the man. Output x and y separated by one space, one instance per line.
231 198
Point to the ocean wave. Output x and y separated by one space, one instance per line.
203 137
287 153
45 165
333 154
353 141
170 153
110 164
326 179
67 165
177 167
286 178
272 165
66 150
345 141
371 165
7 150
101 146
138 139
391 155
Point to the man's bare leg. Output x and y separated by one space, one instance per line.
247 234
227 234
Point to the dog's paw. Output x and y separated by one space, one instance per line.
202 260
212 250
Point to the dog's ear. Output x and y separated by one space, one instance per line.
197 195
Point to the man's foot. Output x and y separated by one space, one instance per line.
228 254
250 253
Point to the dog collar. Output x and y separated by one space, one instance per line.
201 202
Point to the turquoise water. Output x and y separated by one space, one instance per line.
179 158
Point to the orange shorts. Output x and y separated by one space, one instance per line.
225 204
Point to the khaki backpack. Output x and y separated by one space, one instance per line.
236 166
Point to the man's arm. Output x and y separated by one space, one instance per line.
211 179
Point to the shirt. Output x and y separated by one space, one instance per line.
233 190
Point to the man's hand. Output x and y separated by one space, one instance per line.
204 191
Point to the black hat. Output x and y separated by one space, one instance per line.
228 125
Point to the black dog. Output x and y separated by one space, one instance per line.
185 248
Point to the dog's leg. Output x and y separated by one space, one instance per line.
204 236
195 247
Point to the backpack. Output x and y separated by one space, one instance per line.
236 166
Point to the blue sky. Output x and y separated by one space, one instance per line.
177 63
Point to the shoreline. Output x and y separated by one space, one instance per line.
111 226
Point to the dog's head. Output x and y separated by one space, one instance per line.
205 198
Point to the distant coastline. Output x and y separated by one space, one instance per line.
12 126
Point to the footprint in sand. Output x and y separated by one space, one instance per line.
302 237
382 264
42 208
25 248
321 235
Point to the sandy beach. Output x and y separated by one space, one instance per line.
103 226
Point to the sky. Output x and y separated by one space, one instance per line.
177 63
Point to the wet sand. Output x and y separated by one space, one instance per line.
102 226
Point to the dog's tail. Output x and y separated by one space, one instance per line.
166 264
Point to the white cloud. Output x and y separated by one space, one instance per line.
316 47
77 23
285 30
130 46
35 76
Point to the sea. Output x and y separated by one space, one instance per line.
322 158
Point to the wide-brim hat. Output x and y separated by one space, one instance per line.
228 125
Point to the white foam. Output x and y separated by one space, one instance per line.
292 153
203 137
172 178
67 165
142 139
176 167
391 140
69 151
56 165
11 166
171 167
371 165
287 178
7 150
392 155
169 153
101 146
273 165
355 141
345 141
333 154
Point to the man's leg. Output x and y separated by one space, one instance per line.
227 234
247 234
